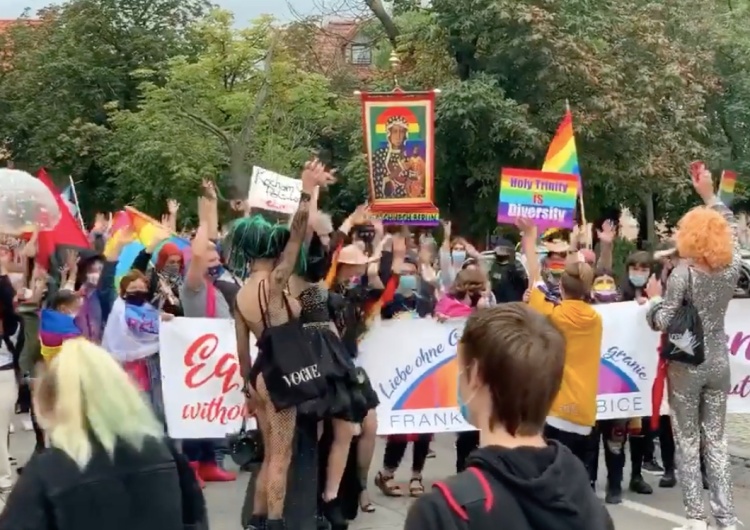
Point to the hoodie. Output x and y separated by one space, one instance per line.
581 326
532 489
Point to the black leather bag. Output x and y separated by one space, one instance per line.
246 447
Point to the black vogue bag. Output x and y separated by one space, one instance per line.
684 342
292 372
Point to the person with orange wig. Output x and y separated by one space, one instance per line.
706 276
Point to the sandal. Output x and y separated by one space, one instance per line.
387 485
416 488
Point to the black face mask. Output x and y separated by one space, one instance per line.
137 298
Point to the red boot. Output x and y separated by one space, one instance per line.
195 466
211 472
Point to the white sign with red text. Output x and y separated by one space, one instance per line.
274 192
201 379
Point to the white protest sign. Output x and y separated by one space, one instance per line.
416 380
201 380
271 191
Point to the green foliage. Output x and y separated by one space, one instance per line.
139 100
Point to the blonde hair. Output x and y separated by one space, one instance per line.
84 392
577 278
703 234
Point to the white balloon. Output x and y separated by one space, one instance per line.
25 203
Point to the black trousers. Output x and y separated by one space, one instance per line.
578 444
466 442
395 449
666 441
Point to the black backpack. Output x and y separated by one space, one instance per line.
683 339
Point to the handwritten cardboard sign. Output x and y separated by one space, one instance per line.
274 192
549 199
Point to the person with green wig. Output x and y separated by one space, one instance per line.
285 373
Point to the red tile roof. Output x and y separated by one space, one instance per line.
332 43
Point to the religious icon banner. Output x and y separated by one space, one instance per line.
399 133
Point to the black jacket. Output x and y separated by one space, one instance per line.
151 489
532 489
508 281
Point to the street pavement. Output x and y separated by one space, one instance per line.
660 511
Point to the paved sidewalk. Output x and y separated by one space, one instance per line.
660 511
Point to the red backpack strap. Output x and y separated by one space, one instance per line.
468 494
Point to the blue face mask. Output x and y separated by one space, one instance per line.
215 272
458 256
463 406
407 283
638 279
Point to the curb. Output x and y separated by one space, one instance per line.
740 452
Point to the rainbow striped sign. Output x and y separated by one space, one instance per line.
549 199
726 186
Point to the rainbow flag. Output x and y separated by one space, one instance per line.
562 156
54 329
146 231
726 186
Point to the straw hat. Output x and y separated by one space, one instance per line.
353 255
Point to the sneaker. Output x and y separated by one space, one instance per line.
211 472
653 467
195 467
668 479
640 486
693 525
613 494
27 424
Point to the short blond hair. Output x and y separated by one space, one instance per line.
82 392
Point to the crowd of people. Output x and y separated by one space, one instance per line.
80 349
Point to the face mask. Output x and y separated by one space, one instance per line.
92 278
137 298
463 406
354 281
605 296
16 278
171 269
458 256
552 279
638 280
407 283
215 272
502 260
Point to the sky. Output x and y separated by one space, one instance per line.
244 10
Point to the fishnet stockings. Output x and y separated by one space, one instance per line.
277 429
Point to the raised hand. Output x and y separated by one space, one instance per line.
71 260
704 184
172 206
209 190
608 232
100 223
315 174
526 226
398 242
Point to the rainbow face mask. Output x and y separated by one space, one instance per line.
604 289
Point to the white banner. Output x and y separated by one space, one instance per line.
201 379
271 191
411 364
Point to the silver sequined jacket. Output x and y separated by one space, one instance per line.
711 293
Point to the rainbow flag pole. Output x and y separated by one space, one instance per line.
562 156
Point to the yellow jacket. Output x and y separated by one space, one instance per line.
581 326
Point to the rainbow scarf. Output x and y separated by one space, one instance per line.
54 329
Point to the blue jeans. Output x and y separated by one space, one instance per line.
205 450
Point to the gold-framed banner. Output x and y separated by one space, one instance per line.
399 133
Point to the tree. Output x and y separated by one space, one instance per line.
240 101
71 66
634 73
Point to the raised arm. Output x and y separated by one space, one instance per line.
313 175
606 245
